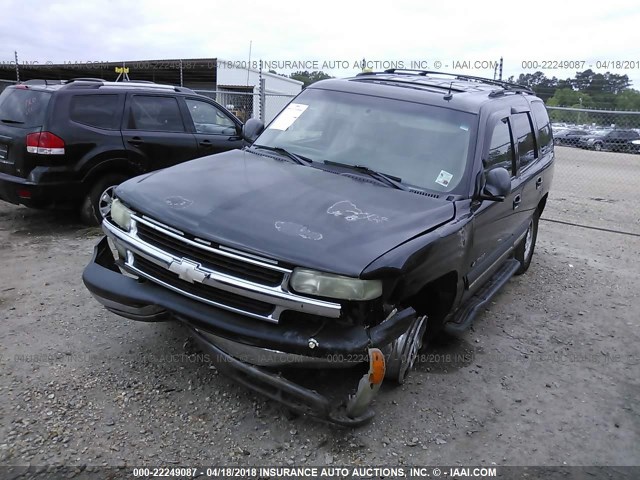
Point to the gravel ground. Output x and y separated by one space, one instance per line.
547 376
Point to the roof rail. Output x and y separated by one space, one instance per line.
86 79
41 81
500 83
130 84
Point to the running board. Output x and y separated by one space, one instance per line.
467 312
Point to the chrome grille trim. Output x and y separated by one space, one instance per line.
216 251
279 296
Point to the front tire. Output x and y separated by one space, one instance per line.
524 250
402 353
97 203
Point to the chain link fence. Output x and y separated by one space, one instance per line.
597 173
246 105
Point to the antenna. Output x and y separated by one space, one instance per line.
249 62
449 95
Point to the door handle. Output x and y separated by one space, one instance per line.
135 141
206 143
516 201
538 183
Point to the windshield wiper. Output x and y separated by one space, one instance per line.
381 177
299 159
8 120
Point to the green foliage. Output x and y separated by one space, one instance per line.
586 89
309 77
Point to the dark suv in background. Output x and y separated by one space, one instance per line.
71 143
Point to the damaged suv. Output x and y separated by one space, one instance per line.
371 214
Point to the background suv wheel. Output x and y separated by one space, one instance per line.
97 203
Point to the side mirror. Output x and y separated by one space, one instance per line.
252 129
497 185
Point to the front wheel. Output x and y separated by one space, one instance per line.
401 354
97 203
597 147
524 250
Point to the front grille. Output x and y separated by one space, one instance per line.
203 291
210 260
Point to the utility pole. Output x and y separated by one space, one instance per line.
17 68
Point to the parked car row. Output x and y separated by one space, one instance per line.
615 140
71 143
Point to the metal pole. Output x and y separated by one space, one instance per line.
17 68
263 98
500 69
181 73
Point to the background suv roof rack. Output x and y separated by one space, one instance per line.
500 83
39 81
86 79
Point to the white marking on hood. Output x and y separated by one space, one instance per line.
352 213
295 229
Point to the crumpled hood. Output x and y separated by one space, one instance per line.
296 214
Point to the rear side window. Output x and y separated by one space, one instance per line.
545 138
99 111
156 114
23 107
501 148
526 140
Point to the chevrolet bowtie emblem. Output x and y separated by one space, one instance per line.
188 271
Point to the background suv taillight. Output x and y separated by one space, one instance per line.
45 143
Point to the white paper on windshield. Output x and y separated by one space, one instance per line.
288 116
444 178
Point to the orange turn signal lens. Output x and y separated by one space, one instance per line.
376 366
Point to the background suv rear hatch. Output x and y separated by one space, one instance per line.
22 111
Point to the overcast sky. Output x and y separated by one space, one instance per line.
327 30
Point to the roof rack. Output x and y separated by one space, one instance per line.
499 83
86 79
39 81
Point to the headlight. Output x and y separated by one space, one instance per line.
121 215
635 142
334 286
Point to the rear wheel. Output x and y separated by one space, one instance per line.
97 203
524 250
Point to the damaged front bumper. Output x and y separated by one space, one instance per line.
248 350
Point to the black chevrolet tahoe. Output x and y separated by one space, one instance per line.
371 214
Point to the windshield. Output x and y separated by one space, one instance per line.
423 145
22 107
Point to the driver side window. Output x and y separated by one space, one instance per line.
208 119
501 148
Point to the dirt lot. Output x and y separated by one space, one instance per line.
547 376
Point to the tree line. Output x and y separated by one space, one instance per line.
587 89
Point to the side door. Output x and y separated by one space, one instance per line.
154 131
492 230
528 180
214 129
